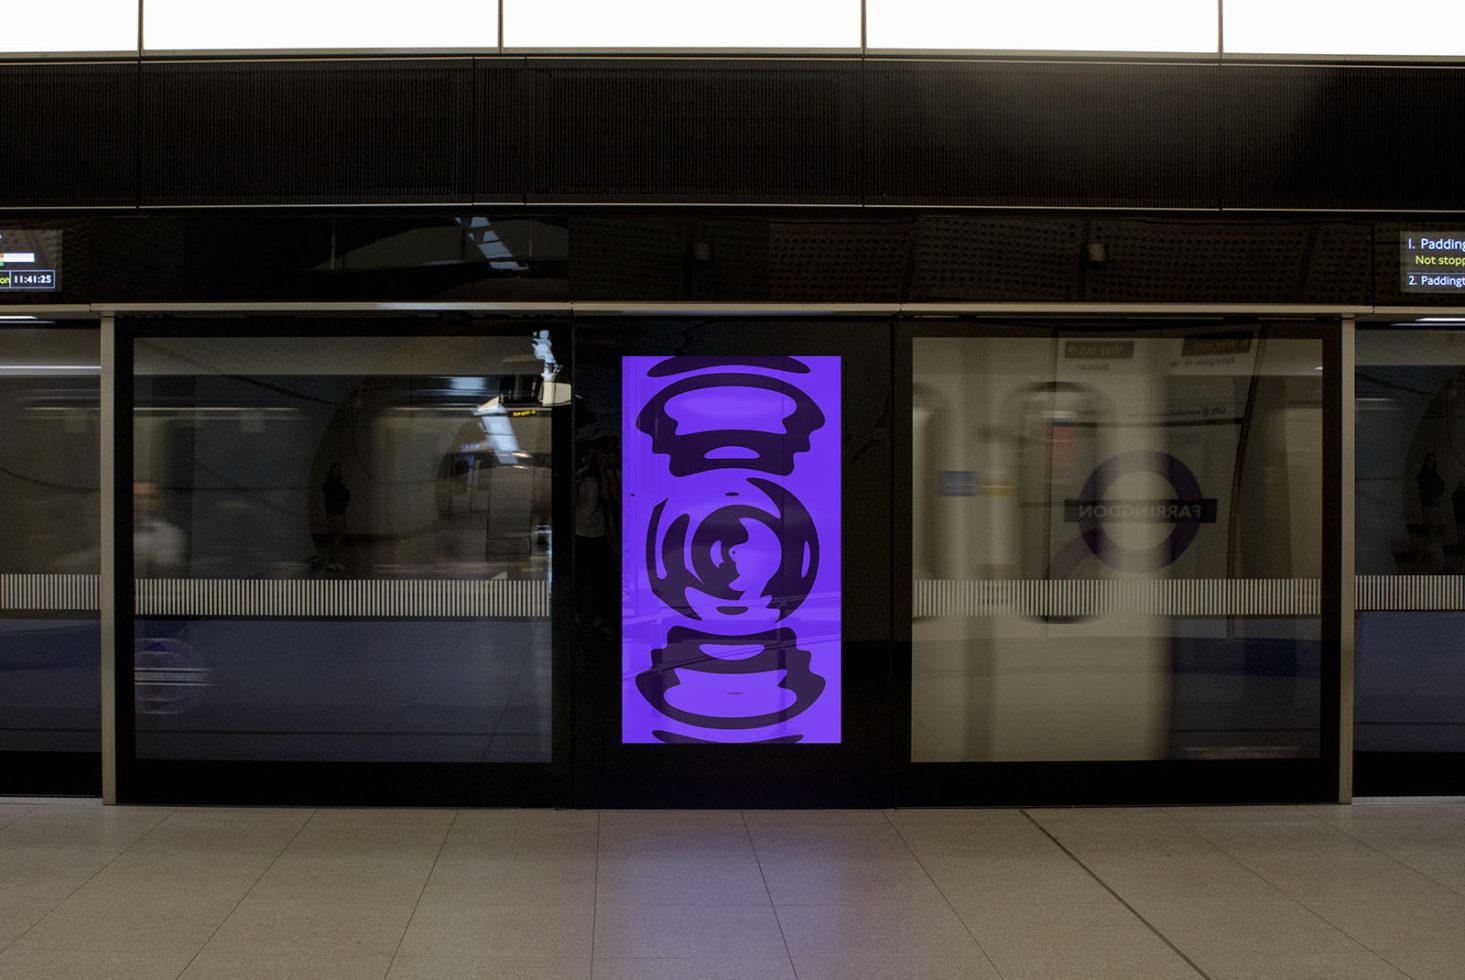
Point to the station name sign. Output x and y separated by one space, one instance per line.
1432 262
30 261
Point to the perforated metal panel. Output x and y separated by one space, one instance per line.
499 128
68 135
1198 262
320 132
1025 134
1343 138
712 132
996 259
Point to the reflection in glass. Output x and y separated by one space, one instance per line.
1410 540
386 504
50 657
1116 546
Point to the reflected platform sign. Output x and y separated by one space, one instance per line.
1432 262
30 261
731 604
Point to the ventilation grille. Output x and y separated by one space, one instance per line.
1015 134
69 135
1364 138
753 132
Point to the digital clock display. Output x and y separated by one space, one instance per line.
30 261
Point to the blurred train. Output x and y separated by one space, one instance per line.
1052 476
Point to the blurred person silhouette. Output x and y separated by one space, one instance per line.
595 491
157 543
1431 493
337 499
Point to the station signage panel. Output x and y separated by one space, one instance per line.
1432 262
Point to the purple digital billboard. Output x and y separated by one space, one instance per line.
730 550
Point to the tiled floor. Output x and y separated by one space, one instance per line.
1366 892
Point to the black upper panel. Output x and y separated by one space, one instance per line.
1039 134
69 135
1347 138
321 132
684 131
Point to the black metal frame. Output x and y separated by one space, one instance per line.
1101 783
853 773
439 784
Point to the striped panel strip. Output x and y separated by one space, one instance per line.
345 598
1409 593
49 593
1095 597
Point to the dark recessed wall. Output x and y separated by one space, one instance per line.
836 131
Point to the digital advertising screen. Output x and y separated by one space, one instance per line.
731 556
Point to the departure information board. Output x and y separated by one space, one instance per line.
30 261
1432 262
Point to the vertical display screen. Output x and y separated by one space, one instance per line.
731 550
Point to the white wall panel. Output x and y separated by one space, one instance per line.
655 24
1346 27
45 26
1049 25
319 25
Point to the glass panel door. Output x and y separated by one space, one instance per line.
1409 709
342 551
1116 547
50 655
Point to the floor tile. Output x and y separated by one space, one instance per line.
10 812
955 816
268 925
1206 926
694 968
457 927
1311 966
553 843
480 967
157 964
1147 962
847 882
1089 926
670 819
830 930
713 842
512 881
460 966
814 818
914 966
1428 965
1398 925
663 883
688 931
214 965
19 914
115 923
859 842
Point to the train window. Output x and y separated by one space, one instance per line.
342 548
1116 545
